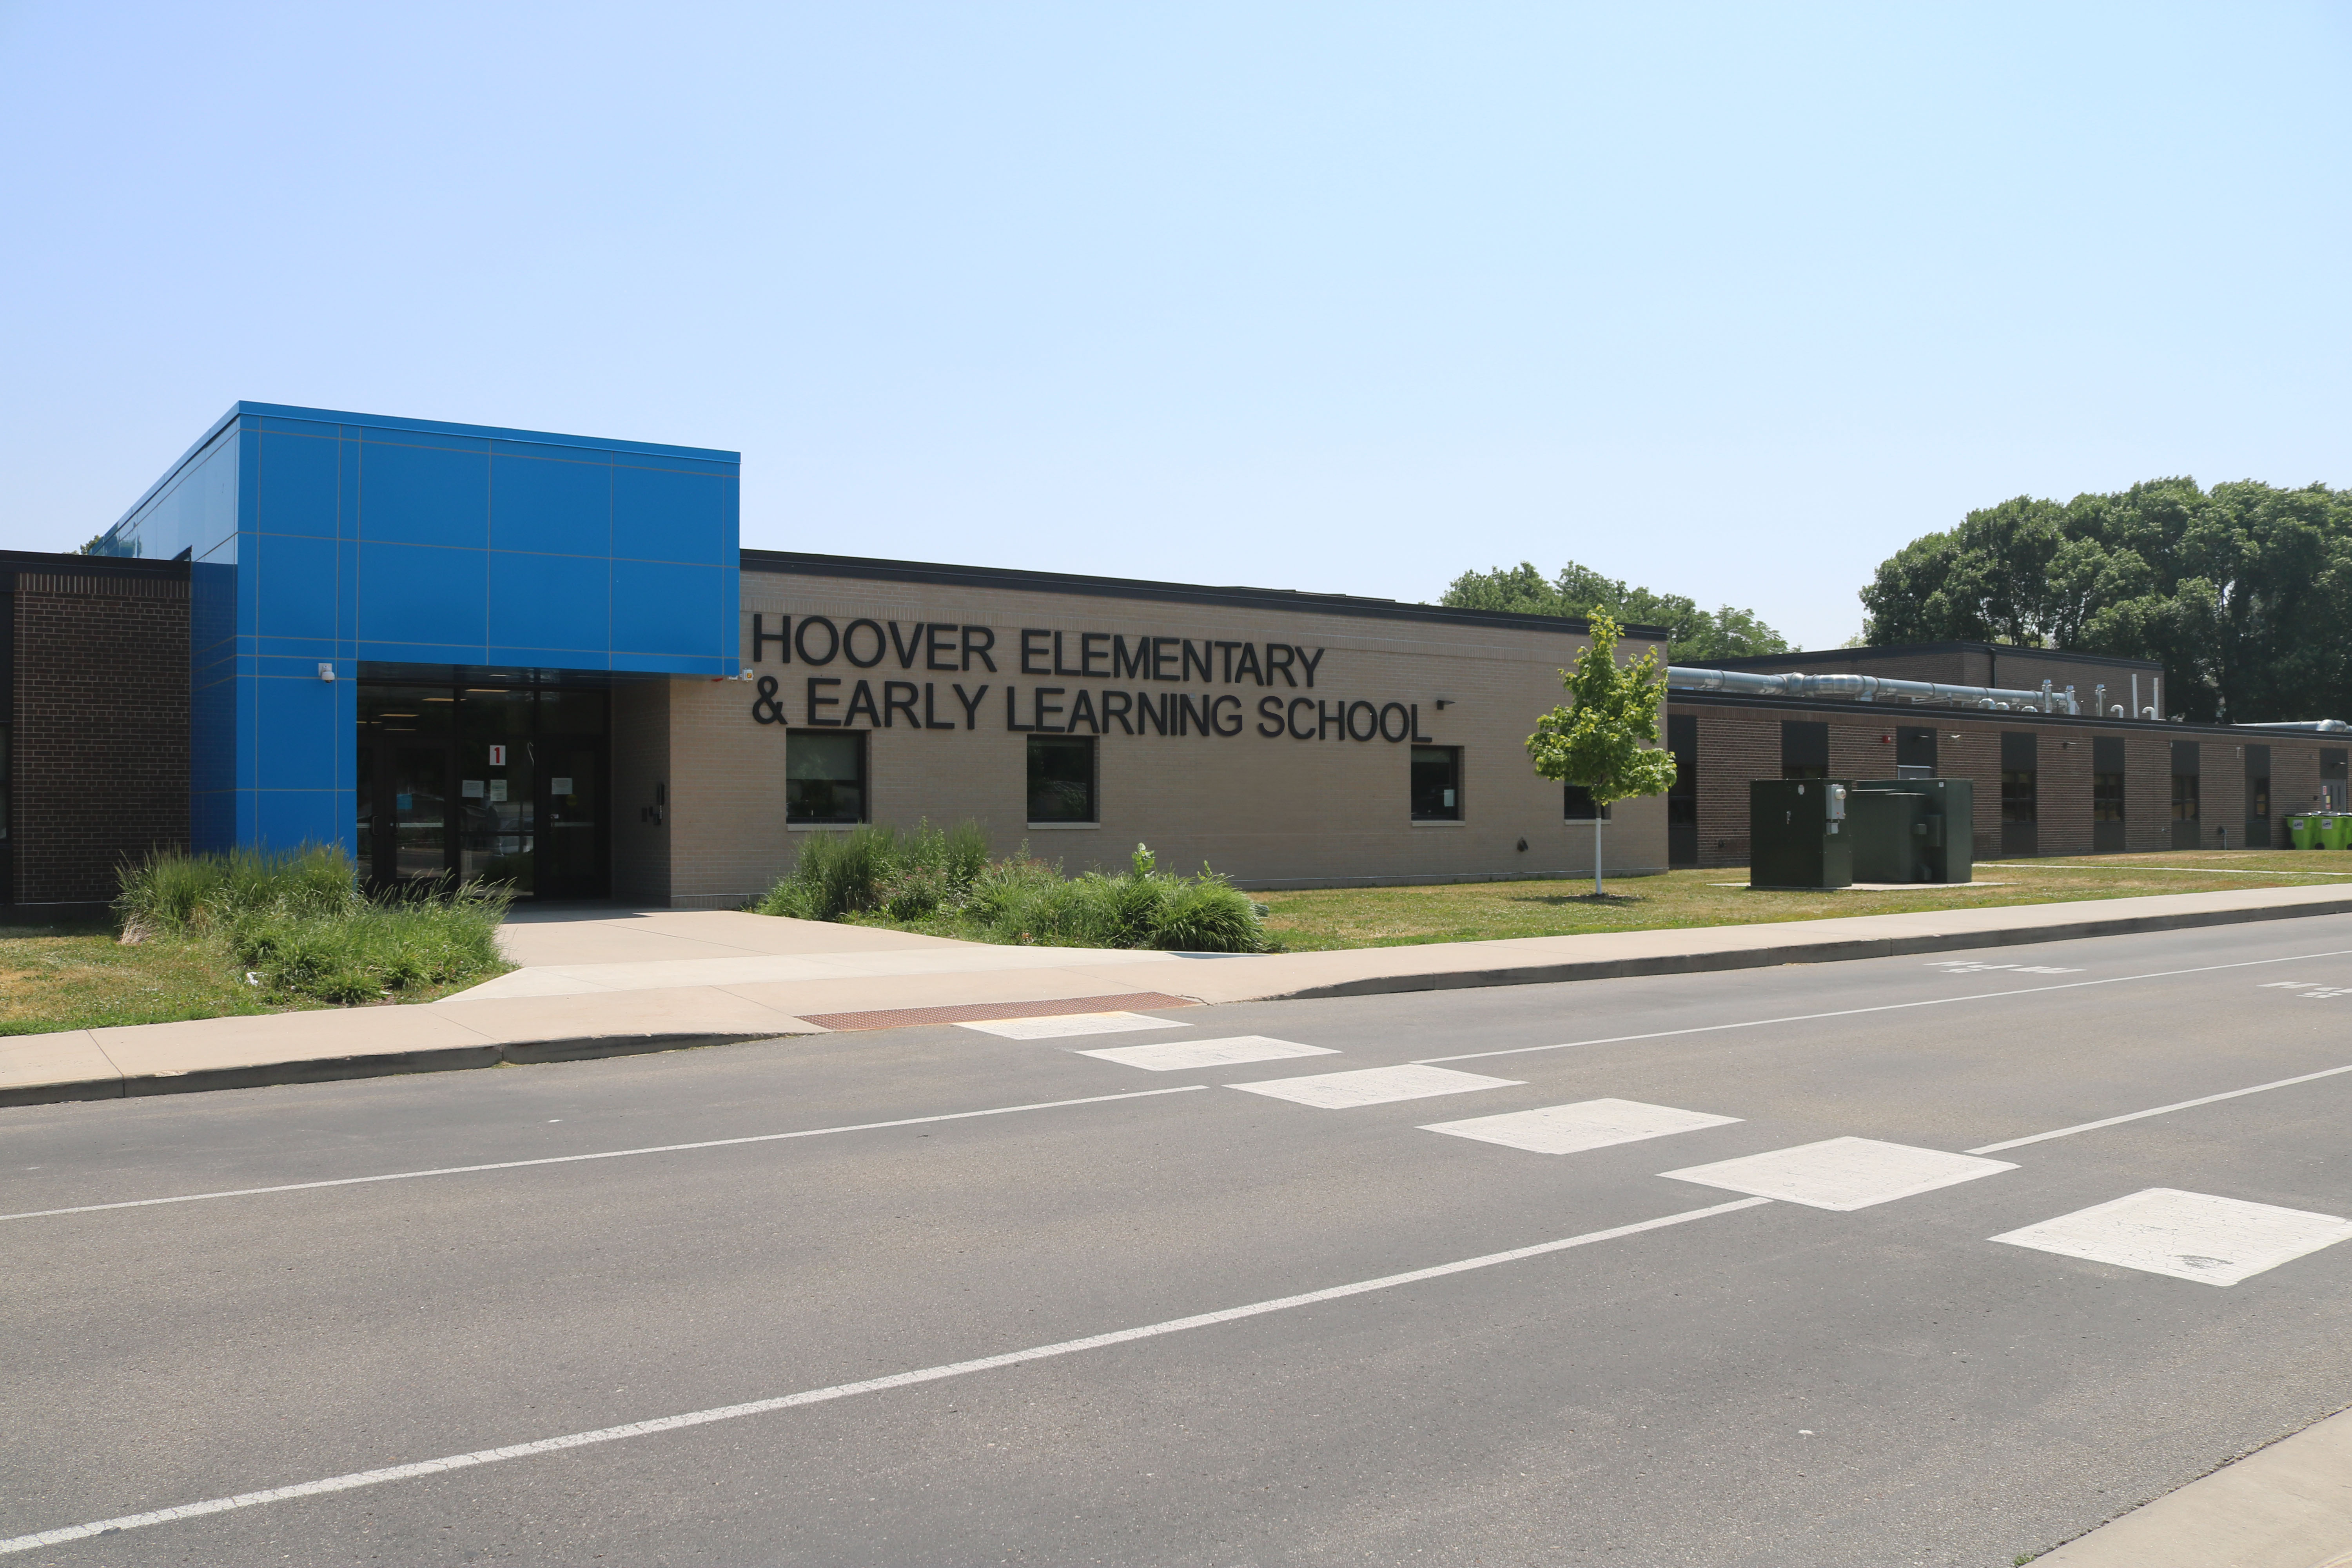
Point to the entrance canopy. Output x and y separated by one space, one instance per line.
318 540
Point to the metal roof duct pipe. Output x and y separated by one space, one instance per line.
1864 689
2322 726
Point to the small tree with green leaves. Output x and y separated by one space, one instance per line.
1605 740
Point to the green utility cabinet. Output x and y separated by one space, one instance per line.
1890 830
1797 834
1913 830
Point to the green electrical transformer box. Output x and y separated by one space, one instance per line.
1797 834
1913 830
1833 833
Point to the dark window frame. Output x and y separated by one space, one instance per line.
2190 798
1573 809
1681 795
2020 795
794 817
1437 811
2107 797
1054 745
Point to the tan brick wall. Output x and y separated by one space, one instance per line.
1268 811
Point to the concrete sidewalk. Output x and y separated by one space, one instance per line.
610 981
2286 1506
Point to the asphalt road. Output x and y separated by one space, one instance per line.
1748 1383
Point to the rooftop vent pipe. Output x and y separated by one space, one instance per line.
1869 688
2323 726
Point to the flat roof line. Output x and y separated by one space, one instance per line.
801 563
394 422
65 561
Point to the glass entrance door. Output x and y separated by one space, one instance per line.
485 784
497 806
412 813
571 861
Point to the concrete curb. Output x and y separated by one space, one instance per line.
1832 952
2288 1504
581 1048
374 1064
60 1093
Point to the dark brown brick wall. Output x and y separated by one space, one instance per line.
1739 743
100 763
2062 804
1735 745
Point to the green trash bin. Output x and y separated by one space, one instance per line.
2335 832
2304 832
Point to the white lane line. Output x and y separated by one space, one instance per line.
2158 1110
1061 1025
847 1390
1575 1129
603 1155
1843 1173
1373 1086
1882 1007
2185 1236
1173 1056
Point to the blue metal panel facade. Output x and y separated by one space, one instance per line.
317 537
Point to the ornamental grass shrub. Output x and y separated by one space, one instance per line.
942 880
907 874
300 924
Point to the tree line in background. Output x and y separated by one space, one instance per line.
2244 591
1695 635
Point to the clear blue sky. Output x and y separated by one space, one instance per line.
1729 301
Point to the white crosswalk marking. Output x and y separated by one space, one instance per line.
2185 1236
1064 1025
1373 1086
1170 1055
1843 1173
1573 1129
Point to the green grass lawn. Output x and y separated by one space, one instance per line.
1327 918
78 977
